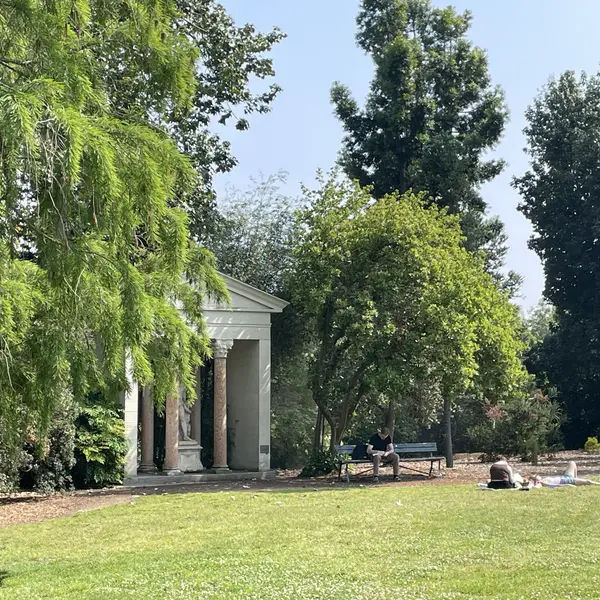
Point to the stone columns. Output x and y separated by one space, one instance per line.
264 405
171 464
220 350
147 465
130 408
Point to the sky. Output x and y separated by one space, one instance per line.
527 42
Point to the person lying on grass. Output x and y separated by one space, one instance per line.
380 449
502 476
569 477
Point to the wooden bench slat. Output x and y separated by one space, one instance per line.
410 448
400 448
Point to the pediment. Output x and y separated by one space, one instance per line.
246 298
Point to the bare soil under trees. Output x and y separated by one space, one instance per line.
23 507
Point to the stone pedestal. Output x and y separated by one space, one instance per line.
189 457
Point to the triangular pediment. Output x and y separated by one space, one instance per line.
246 298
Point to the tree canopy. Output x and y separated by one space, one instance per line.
560 197
431 117
390 295
95 254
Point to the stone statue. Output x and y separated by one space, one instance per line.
185 421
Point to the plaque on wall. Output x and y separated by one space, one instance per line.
264 449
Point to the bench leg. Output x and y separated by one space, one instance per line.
347 474
431 468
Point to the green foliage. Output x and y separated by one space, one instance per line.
11 459
591 445
49 455
390 297
100 447
320 463
293 412
255 236
559 196
539 322
223 77
525 425
94 243
430 119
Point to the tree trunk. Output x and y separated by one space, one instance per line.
318 437
390 418
535 451
448 433
333 440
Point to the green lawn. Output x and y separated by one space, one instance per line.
367 543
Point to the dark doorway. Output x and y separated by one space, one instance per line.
206 420
206 413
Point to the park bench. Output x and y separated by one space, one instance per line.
426 452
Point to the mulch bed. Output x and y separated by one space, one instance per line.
20 508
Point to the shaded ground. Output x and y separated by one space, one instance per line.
28 508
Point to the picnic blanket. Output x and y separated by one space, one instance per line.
484 488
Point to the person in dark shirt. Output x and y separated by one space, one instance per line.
380 449
501 475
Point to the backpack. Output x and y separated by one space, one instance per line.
359 452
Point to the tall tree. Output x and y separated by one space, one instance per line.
228 58
431 117
255 236
389 296
560 197
93 186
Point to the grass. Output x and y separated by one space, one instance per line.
441 542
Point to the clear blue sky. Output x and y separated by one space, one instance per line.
527 41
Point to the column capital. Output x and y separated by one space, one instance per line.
221 348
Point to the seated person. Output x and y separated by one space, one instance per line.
569 477
380 449
501 475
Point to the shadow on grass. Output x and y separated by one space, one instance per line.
3 577
298 486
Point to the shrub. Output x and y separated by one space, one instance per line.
524 426
490 440
321 463
293 411
592 445
100 447
12 459
48 458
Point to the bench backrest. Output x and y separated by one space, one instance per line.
421 447
417 448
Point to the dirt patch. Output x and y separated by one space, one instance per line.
29 508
